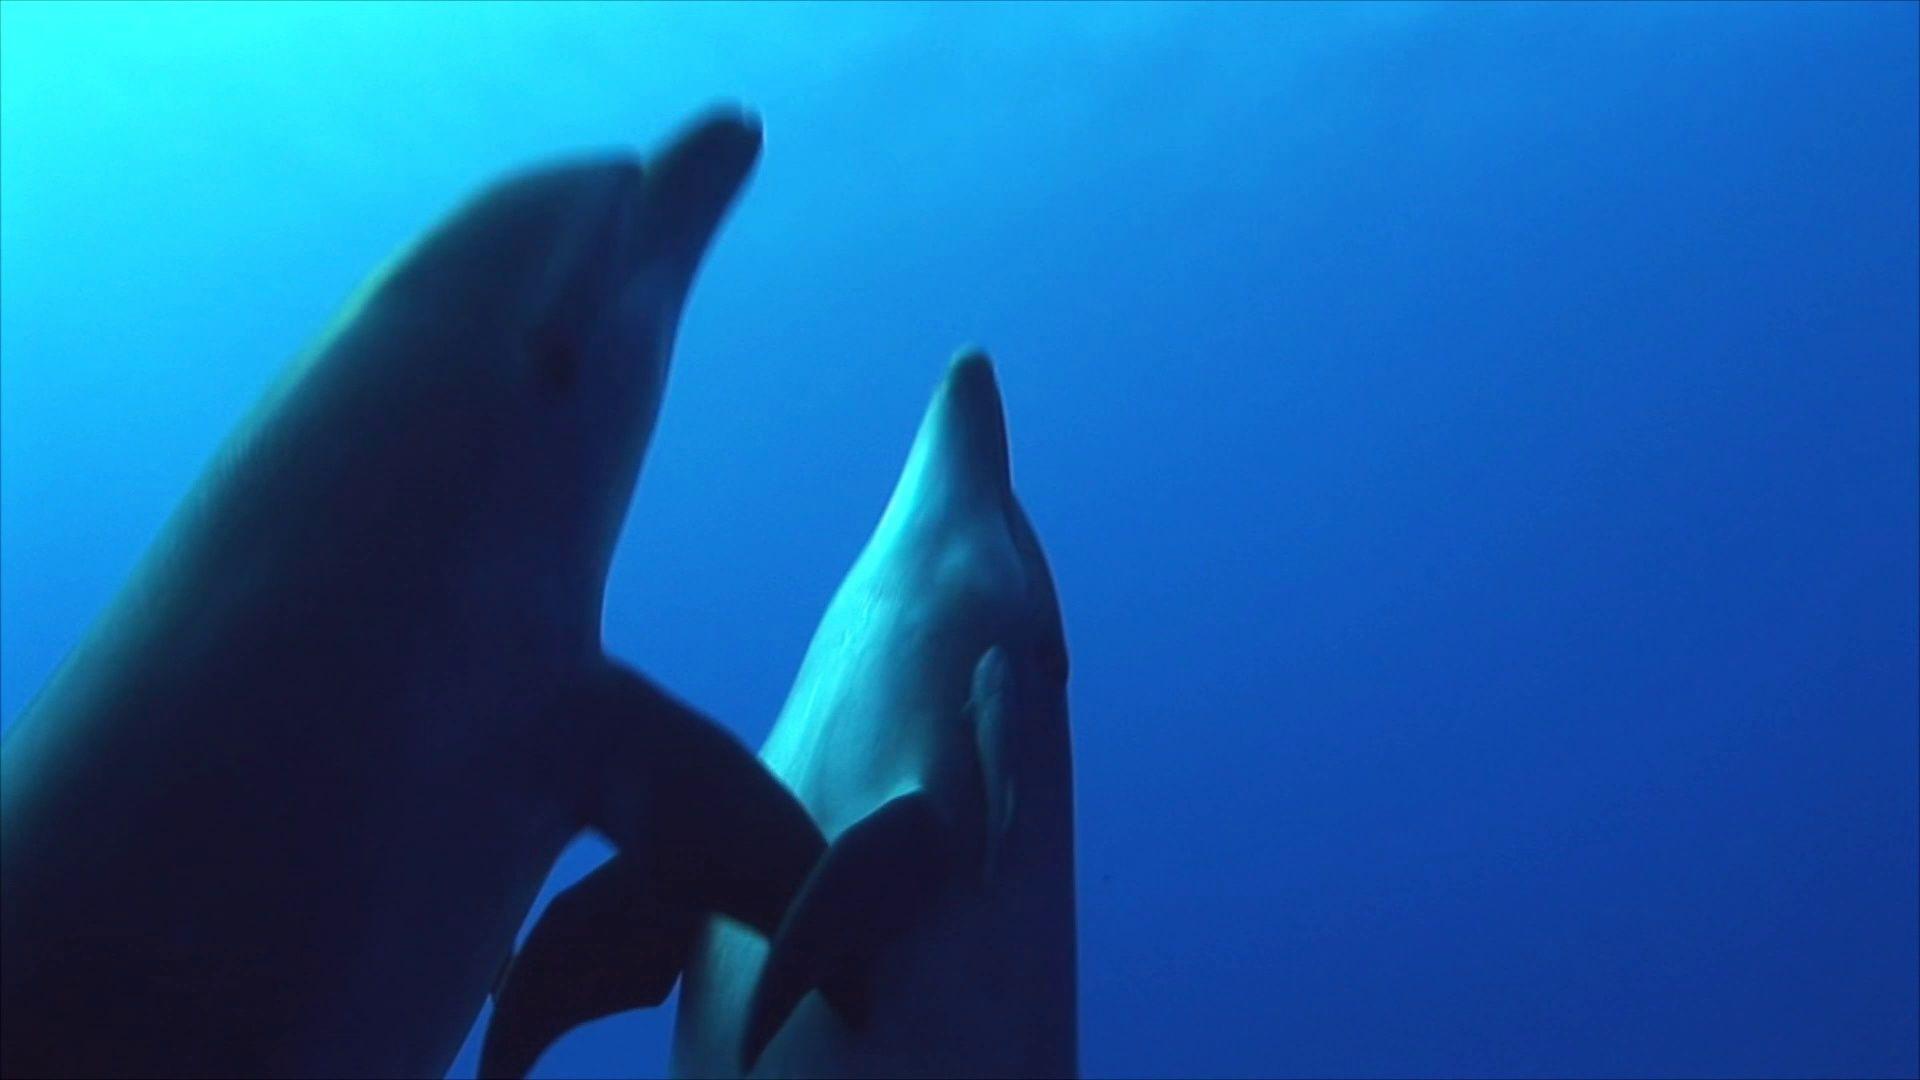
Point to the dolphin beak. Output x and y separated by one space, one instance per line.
644 227
685 190
968 424
958 463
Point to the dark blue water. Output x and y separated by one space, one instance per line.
1477 449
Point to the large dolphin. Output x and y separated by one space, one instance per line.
927 734
284 808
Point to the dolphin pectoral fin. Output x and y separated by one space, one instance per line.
1018 709
702 828
713 830
605 945
875 881
995 734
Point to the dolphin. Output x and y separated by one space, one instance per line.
927 734
284 808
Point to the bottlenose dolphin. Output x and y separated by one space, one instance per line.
285 806
927 734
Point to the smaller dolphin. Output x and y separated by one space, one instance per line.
927 734
283 810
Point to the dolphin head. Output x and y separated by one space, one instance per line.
505 372
959 533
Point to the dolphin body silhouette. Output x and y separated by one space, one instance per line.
927 734
284 808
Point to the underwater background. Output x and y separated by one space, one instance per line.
1478 448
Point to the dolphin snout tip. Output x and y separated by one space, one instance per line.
970 378
738 115
692 181
970 413
746 120
729 133
970 364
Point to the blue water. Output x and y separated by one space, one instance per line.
1477 448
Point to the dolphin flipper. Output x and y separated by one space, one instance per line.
996 739
875 880
711 829
702 828
605 945
879 876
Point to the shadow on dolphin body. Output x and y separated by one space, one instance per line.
927 733
284 808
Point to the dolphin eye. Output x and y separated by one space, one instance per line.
558 357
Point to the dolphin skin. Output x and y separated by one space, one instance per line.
283 809
927 734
